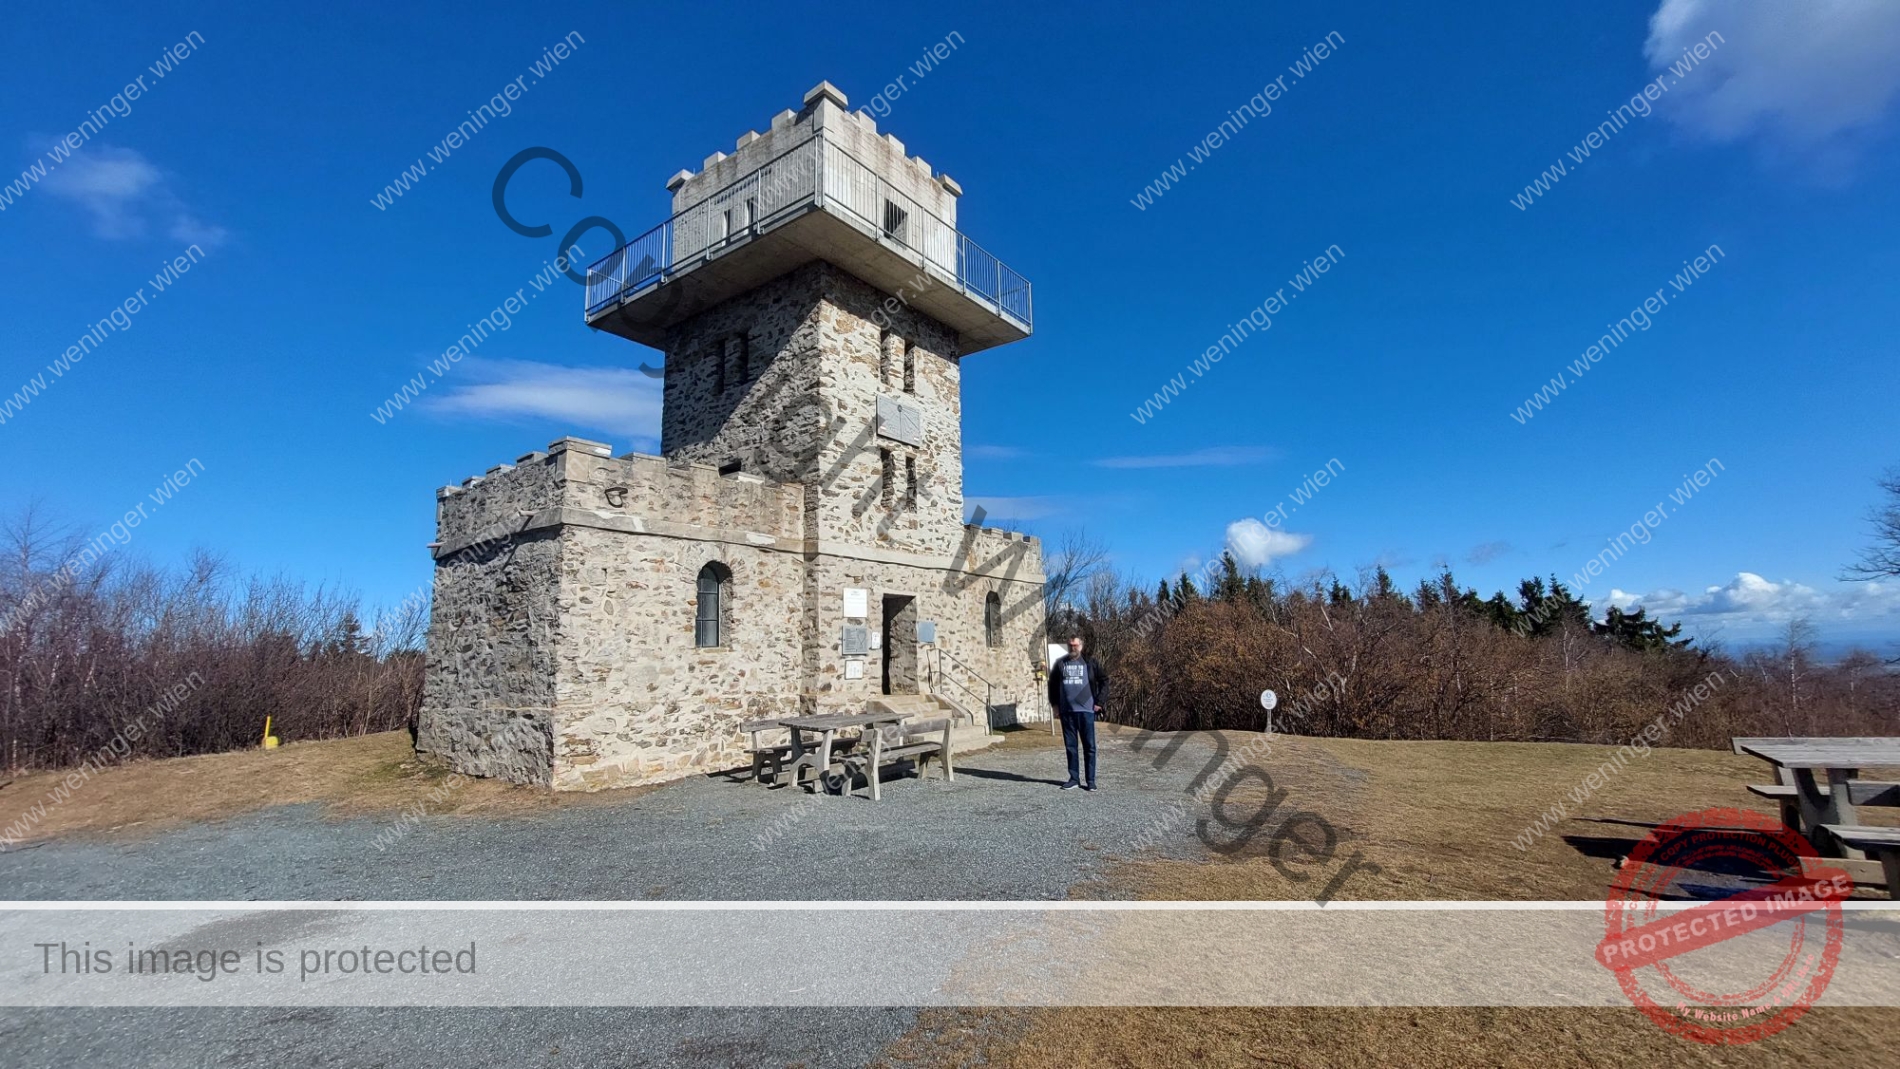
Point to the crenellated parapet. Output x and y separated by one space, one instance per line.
581 483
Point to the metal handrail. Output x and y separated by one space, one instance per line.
761 195
989 688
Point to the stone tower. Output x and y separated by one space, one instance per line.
800 544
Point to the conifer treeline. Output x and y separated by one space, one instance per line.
1440 662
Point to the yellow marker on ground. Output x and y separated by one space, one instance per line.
270 741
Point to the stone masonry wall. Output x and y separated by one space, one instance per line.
855 322
522 610
805 408
638 701
953 598
488 695
766 417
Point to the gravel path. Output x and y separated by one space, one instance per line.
1001 831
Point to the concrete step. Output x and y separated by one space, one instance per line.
966 733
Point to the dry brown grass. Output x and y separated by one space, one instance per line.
349 777
1438 818
1451 1038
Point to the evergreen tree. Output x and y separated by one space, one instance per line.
1545 610
1502 612
1184 592
1229 588
1384 589
1637 631
345 638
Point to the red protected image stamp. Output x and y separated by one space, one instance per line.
1657 953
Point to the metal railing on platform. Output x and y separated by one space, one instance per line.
799 177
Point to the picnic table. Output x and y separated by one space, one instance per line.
885 736
817 760
1800 765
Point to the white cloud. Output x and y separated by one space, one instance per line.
1800 73
992 452
1255 545
616 400
1752 604
126 195
1220 456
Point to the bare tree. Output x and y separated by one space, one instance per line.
1066 571
1882 559
1794 663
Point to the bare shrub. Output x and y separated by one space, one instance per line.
103 659
1368 661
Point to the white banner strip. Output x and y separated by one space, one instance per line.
898 954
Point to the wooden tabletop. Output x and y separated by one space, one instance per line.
1825 753
830 721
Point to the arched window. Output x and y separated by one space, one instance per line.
715 596
993 619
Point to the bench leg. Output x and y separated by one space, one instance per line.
1890 861
1791 814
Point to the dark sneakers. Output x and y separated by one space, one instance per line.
1090 788
1071 785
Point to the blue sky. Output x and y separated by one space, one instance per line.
1449 305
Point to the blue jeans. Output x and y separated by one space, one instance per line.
1079 727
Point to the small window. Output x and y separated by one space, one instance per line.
719 367
910 368
894 220
910 482
725 223
714 594
993 620
884 341
751 211
731 467
887 477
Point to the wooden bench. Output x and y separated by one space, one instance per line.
919 740
1883 843
1864 872
1859 792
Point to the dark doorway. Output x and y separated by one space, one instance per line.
900 644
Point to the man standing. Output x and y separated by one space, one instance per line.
1077 689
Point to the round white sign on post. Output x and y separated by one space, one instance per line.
1268 700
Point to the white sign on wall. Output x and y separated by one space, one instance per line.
901 420
854 669
857 603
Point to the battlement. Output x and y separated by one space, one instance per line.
820 184
581 481
825 109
